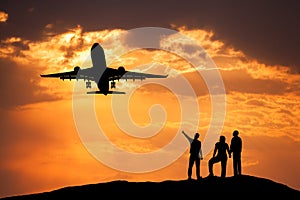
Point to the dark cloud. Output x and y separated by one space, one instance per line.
18 86
265 30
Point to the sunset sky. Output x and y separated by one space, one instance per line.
231 65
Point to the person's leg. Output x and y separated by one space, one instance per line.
235 170
211 162
239 165
223 168
191 163
198 168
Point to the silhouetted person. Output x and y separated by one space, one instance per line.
236 150
195 155
219 155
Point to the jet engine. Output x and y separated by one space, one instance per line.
121 70
76 69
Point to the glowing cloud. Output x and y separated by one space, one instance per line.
3 16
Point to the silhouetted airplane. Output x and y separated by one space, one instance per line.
101 74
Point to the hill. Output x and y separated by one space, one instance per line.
233 187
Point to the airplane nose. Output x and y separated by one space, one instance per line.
95 45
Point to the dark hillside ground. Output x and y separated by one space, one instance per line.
234 187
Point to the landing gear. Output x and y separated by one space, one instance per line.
88 84
113 85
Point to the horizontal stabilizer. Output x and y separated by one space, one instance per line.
109 92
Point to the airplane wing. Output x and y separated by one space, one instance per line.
77 73
63 75
140 75
121 73
113 74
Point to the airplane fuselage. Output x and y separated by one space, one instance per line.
103 83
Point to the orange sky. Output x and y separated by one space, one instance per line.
41 146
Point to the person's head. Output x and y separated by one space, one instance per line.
222 138
196 135
235 133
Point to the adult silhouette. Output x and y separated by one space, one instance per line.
219 155
195 155
236 150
